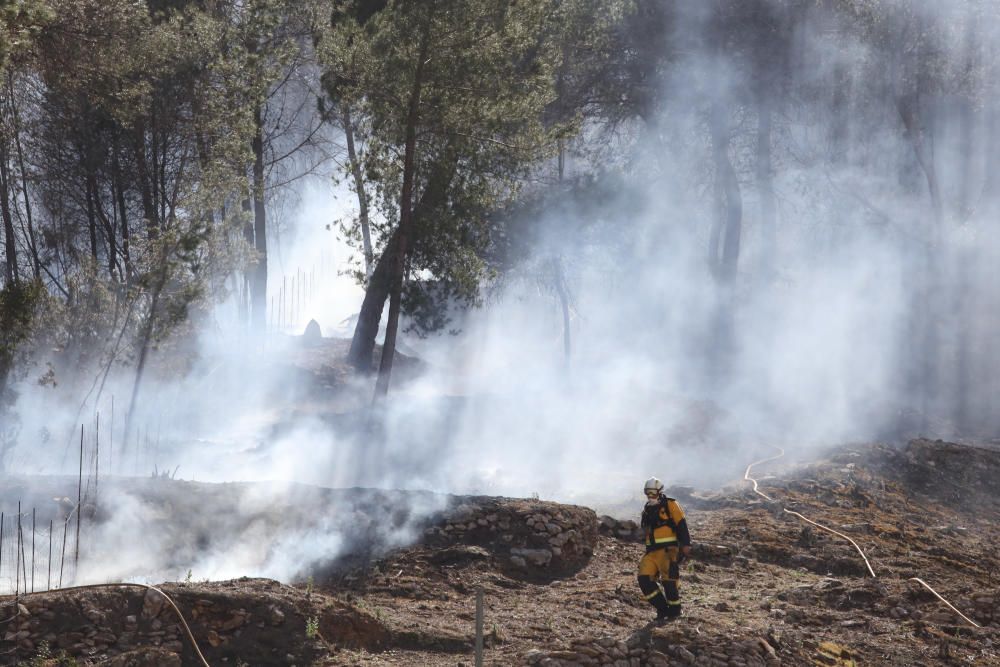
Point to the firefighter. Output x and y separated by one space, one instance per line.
668 543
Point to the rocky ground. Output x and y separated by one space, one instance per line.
763 588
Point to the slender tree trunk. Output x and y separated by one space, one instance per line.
377 291
146 183
91 216
119 194
10 242
107 224
557 270
563 293
32 242
359 188
923 149
146 337
724 239
928 299
765 186
724 249
840 127
258 292
405 222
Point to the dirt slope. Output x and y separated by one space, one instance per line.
763 589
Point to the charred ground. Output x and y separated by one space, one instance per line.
763 587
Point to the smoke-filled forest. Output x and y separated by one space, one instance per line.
540 249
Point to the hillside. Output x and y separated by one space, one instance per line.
763 588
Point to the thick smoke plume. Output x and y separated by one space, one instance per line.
862 306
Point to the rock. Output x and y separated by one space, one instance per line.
459 554
238 618
313 335
277 617
152 604
536 557
684 654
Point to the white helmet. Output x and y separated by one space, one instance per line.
652 484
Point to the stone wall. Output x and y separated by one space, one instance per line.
256 620
529 538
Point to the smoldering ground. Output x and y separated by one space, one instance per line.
857 311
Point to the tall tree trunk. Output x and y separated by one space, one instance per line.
559 280
146 338
405 222
147 182
434 195
119 195
840 127
724 250
10 241
928 291
36 264
107 224
724 239
376 292
765 186
923 148
258 292
91 216
359 188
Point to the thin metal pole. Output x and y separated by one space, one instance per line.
97 455
48 579
20 538
79 508
17 552
32 549
111 435
1 542
479 627
62 558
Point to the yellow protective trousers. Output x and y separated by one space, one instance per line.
660 566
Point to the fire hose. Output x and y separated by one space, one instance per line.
747 477
187 628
